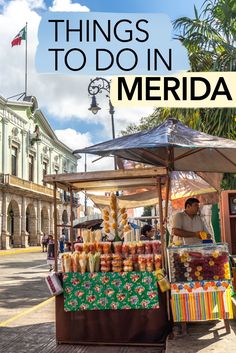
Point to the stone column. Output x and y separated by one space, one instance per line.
60 164
38 163
24 234
24 156
50 160
39 232
5 235
5 145
17 227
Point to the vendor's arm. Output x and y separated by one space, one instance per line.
177 228
205 229
184 233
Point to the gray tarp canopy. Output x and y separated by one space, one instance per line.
174 146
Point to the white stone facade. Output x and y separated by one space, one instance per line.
30 149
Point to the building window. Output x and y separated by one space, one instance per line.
45 169
14 161
31 168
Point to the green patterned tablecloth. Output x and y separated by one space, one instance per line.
102 291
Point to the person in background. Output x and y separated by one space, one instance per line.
147 232
79 239
45 240
187 225
62 243
51 252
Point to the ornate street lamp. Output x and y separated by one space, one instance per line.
98 85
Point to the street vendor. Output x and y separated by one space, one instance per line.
187 225
147 232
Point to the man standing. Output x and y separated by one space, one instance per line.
187 225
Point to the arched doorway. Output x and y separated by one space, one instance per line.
44 220
65 222
31 224
13 224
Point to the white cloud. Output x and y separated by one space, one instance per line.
36 4
94 163
67 5
63 97
74 139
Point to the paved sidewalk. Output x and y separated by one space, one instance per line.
205 337
33 331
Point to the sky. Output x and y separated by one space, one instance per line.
64 99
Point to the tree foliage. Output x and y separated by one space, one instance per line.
210 41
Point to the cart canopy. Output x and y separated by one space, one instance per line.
174 146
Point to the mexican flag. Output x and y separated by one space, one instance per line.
19 37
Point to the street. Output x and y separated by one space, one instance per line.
22 283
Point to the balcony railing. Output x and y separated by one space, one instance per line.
26 185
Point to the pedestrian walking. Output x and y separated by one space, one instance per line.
45 240
62 243
51 252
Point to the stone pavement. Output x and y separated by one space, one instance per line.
205 337
34 332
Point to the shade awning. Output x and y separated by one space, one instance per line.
183 185
174 146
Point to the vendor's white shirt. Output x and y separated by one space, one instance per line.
182 221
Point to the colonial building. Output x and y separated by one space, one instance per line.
29 150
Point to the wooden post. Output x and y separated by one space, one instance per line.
71 217
55 225
167 197
163 243
162 230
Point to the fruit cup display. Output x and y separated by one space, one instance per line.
199 263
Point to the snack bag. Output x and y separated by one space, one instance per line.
162 281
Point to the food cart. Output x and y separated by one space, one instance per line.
145 322
179 148
170 146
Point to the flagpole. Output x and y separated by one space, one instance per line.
26 39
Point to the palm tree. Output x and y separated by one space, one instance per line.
210 39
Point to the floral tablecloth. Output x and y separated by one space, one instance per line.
103 291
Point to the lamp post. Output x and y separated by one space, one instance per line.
98 85
85 194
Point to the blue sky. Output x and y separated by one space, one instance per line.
63 99
172 8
